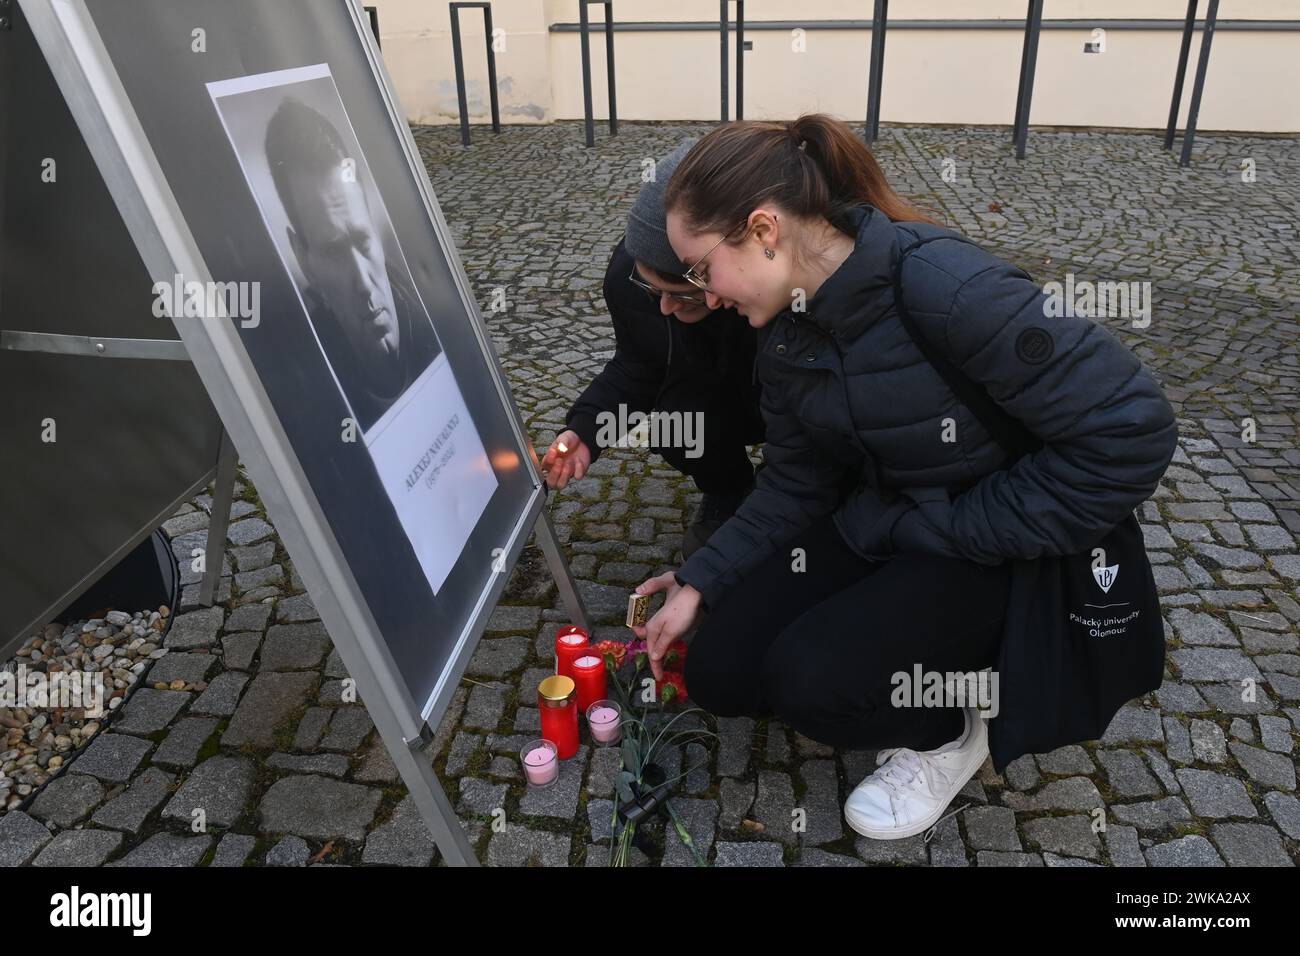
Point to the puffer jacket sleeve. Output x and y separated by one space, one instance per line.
1108 431
639 366
796 485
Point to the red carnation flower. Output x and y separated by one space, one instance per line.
611 650
673 686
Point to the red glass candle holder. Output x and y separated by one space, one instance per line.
589 677
559 712
571 643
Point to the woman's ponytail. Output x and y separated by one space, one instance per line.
850 170
813 166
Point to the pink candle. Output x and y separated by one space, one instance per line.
540 764
604 721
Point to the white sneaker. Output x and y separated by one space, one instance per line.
909 793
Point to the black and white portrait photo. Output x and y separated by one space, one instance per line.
317 195
326 218
373 330
290 218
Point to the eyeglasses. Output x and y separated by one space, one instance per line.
685 298
694 277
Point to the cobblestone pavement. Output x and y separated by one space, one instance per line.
1191 774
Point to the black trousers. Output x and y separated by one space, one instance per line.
817 648
731 421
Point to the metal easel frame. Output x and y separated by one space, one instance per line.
107 121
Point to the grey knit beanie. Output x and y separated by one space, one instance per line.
647 223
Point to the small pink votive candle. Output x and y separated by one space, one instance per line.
541 763
604 720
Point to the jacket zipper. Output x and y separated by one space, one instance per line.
867 456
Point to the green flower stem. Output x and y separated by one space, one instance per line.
685 836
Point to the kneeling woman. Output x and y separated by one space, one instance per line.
879 530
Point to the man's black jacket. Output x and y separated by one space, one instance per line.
654 353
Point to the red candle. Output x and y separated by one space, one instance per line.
573 629
555 698
571 643
589 676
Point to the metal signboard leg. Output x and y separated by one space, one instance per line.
550 545
415 766
223 490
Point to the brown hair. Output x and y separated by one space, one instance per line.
743 164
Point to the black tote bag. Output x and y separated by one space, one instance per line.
1083 633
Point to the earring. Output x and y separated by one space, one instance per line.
769 253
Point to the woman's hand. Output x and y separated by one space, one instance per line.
559 466
678 615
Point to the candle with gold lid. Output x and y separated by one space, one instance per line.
559 713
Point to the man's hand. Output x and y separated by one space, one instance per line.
678 615
560 465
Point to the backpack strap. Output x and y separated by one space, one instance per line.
1016 440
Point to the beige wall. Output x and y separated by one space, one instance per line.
416 38
931 76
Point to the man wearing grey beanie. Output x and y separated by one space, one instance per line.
672 355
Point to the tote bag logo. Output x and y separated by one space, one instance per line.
1105 577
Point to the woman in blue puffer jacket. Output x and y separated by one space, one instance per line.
877 537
